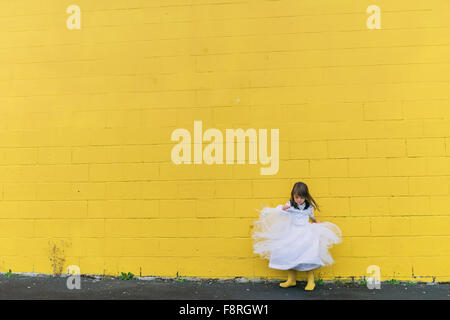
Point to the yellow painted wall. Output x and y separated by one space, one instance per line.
86 117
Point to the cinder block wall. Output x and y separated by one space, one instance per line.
86 117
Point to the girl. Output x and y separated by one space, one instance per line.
285 236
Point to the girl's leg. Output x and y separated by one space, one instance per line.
291 281
310 285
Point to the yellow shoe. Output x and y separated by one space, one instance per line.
291 281
310 285
288 284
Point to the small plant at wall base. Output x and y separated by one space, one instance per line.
9 273
393 281
126 276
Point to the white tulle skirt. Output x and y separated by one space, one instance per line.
290 241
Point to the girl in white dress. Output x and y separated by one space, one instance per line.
285 236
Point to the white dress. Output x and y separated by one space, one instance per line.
290 241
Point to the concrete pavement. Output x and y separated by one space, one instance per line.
19 286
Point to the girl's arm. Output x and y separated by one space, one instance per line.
287 205
311 214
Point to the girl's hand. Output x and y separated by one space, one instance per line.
285 207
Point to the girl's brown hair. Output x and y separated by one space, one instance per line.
301 189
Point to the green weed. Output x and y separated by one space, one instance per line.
126 276
393 281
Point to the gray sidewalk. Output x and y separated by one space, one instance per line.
48 287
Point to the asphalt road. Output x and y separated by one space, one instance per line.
48 288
